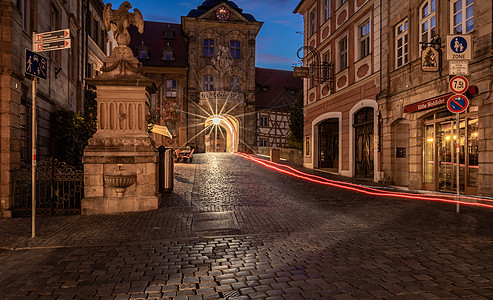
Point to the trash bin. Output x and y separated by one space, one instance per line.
166 172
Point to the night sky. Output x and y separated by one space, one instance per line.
278 39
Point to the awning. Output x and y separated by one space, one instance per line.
162 130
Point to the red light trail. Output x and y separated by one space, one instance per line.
362 189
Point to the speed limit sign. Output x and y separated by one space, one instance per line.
458 84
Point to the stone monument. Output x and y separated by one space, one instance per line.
120 160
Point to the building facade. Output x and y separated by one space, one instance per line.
221 78
342 56
162 49
276 91
63 88
418 131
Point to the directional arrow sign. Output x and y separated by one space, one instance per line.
52 36
457 103
56 45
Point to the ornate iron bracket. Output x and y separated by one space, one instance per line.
313 67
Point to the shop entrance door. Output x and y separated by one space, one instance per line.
363 129
447 156
329 144
439 153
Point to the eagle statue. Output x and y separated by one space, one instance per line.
120 20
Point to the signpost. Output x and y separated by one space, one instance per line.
458 103
459 52
36 65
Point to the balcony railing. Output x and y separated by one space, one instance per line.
222 97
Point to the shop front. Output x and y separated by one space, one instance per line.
439 140
440 156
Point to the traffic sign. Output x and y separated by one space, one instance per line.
459 47
54 45
36 65
457 103
459 84
52 36
458 67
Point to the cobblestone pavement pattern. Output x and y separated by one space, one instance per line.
295 240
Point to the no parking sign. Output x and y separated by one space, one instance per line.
457 103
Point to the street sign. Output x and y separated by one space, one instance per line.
458 67
52 36
36 65
459 84
457 103
459 47
54 45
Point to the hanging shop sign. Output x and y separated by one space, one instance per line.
427 104
429 60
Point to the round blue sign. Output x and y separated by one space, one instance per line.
458 44
457 103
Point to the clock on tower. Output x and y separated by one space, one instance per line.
222 13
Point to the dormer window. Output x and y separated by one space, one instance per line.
168 54
168 34
143 52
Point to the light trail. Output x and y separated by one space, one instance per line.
358 188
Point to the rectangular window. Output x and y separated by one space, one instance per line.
364 39
170 88
326 7
55 25
74 62
208 83
462 16
263 143
235 49
235 84
401 47
264 121
343 54
208 47
25 127
313 21
427 22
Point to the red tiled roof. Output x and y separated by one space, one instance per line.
153 39
276 89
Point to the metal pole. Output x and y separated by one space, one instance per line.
457 149
33 162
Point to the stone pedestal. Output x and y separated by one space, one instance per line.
120 161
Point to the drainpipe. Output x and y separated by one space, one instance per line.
86 42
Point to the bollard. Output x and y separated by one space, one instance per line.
275 155
168 171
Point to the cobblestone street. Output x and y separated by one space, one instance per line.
233 229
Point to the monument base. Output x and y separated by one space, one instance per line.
113 205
